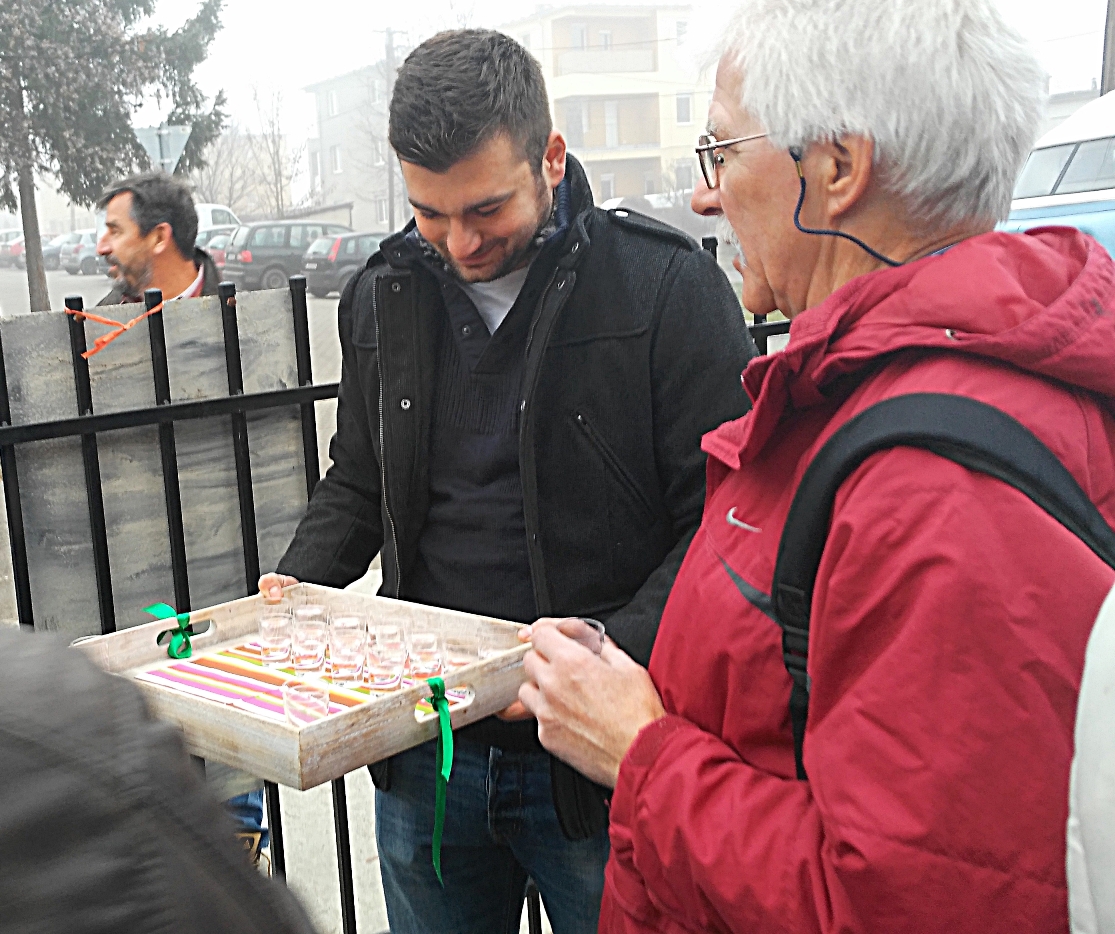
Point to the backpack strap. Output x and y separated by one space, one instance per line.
971 433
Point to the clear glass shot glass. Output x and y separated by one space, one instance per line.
588 632
304 703
425 649
386 658
275 628
461 648
489 644
347 646
308 640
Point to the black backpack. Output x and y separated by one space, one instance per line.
971 433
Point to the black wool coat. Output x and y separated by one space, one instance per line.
635 351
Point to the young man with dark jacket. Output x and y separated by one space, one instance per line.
525 382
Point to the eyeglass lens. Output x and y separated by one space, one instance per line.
707 159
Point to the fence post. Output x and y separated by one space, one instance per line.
92 464
168 454
16 535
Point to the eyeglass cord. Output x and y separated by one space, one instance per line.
796 156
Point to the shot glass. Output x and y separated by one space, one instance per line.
308 640
588 632
425 649
386 658
461 648
347 645
489 644
275 627
304 703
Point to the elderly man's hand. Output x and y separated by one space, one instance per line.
589 708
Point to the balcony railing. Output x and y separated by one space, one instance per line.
605 61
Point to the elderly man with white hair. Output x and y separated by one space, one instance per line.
862 153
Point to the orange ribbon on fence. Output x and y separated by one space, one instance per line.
105 339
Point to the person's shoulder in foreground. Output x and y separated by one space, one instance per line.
950 614
105 824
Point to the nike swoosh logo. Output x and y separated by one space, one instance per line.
732 520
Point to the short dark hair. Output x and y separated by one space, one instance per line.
158 198
461 88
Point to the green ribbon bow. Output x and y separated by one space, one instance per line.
444 766
179 638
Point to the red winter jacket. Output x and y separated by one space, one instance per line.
948 628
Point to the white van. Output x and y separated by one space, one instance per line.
215 215
1069 178
1074 162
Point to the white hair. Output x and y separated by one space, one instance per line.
951 95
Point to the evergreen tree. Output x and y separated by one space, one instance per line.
71 76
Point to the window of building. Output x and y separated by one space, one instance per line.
331 103
685 109
315 165
683 176
578 36
606 39
377 152
525 40
682 31
607 187
650 184
611 124
381 210
335 158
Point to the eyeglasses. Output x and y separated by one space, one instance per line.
711 160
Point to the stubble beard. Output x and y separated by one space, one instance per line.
524 247
727 234
136 277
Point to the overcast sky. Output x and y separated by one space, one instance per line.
280 47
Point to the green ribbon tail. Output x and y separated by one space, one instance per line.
178 637
444 767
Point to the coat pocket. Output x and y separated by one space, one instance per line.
614 465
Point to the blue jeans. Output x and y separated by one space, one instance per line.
247 814
500 827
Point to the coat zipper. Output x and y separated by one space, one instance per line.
610 458
541 305
382 451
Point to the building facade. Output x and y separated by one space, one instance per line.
626 93
350 159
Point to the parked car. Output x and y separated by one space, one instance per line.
206 234
81 256
216 250
1096 218
12 251
52 250
1069 178
265 254
331 261
215 215
6 237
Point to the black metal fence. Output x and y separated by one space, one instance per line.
165 413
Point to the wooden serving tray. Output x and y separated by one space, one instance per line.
307 756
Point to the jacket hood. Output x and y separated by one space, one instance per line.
1042 301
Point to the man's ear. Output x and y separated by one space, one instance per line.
553 161
162 239
843 169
